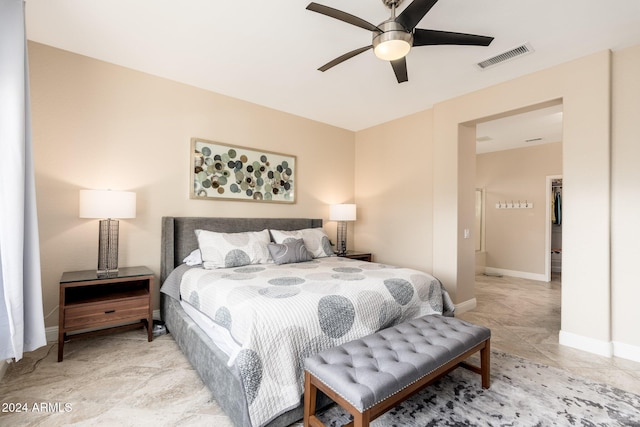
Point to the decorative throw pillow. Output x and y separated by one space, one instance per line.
224 250
315 240
289 252
194 258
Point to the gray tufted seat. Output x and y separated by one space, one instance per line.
368 376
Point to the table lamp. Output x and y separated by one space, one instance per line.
342 213
109 206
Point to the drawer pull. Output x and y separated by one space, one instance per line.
109 311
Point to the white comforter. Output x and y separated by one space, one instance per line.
281 314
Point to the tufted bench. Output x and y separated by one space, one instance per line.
371 375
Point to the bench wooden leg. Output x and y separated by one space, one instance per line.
485 364
362 419
310 392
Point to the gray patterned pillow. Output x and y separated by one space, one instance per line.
315 240
289 252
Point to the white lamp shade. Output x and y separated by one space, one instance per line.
107 204
342 212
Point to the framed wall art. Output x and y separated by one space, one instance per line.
221 171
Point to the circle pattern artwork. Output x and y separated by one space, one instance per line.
245 174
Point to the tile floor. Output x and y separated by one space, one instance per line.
121 379
524 317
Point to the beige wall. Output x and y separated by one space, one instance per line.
97 125
583 86
515 238
625 228
394 191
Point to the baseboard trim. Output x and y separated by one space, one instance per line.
4 365
465 306
52 332
591 345
514 273
626 351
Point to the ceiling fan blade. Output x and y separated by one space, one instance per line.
343 58
400 68
342 16
410 17
423 37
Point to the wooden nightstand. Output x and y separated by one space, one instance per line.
98 305
360 256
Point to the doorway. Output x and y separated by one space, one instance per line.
553 231
515 155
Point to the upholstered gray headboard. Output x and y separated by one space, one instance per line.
179 237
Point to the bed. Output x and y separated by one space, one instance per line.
298 303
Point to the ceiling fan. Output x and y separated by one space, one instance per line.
393 38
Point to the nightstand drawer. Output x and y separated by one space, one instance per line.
103 313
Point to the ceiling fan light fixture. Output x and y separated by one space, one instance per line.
394 42
391 50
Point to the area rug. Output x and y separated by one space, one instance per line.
522 393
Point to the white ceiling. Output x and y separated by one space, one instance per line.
542 126
268 52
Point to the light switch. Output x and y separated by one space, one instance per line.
467 233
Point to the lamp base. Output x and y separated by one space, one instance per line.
341 248
106 273
108 248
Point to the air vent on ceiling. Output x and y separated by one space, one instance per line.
506 56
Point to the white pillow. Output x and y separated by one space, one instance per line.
194 258
315 240
223 250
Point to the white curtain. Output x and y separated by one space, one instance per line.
21 316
